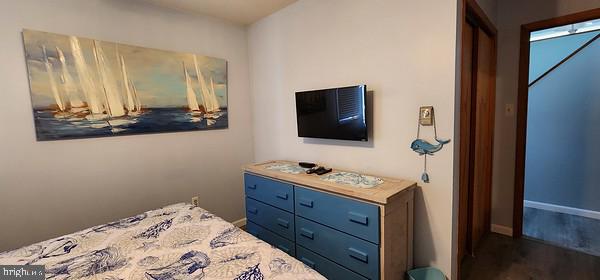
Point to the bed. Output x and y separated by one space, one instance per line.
180 241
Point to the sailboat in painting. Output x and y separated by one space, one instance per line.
75 105
113 102
134 105
87 88
193 106
215 111
210 102
53 87
86 81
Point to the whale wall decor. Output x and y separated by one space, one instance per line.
423 147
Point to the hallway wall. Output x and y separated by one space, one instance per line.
563 133
545 54
490 7
511 15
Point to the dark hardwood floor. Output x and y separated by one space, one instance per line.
502 257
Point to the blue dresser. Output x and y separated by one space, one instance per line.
334 229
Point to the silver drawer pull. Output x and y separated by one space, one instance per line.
283 196
358 218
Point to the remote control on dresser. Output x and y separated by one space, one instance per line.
307 164
323 171
314 170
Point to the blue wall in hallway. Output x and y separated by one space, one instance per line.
544 54
563 130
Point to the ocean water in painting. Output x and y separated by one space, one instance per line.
90 88
154 120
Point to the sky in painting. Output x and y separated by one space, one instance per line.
157 75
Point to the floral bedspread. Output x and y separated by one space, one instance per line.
175 242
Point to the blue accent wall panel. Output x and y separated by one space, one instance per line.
544 54
563 134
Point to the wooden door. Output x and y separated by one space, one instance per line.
482 128
476 130
464 247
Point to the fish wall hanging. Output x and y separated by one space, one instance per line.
423 147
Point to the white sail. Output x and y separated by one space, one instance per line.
213 96
129 94
136 96
191 96
85 78
113 100
53 87
69 87
206 99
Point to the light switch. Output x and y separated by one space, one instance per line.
509 110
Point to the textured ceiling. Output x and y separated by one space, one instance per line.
238 11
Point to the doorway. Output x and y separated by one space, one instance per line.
477 109
556 195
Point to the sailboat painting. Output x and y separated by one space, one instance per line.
89 88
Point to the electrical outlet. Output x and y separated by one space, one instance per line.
195 201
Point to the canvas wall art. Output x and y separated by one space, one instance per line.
89 88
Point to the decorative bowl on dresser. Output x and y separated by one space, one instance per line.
343 231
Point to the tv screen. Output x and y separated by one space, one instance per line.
336 113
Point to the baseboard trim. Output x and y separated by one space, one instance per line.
240 223
562 209
504 230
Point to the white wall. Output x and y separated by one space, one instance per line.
490 7
50 188
405 52
511 15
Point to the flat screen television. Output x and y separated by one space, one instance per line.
335 113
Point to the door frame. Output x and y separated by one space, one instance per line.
472 12
522 103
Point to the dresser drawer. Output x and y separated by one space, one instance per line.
275 220
327 268
275 240
353 217
269 191
354 253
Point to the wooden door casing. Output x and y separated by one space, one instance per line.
477 113
464 247
482 150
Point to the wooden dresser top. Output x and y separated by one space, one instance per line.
380 194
